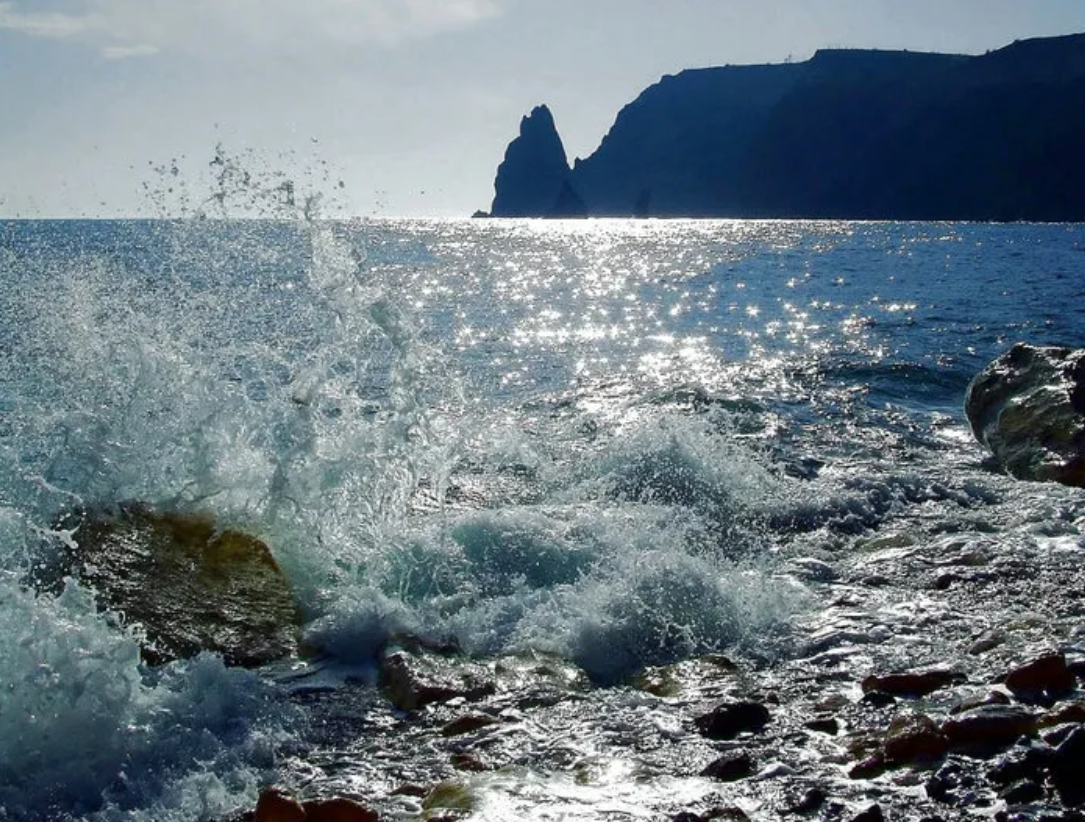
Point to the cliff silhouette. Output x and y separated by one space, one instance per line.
860 134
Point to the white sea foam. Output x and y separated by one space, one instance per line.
85 731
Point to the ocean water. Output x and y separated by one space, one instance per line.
609 441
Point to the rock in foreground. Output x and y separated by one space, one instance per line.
190 586
1028 407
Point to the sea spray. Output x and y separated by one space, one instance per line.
85 730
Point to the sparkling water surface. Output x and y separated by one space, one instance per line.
603 440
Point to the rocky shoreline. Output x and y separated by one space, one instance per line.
936 672
898 703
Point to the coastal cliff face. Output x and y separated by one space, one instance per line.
846 134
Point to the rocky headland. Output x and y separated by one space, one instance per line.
856 134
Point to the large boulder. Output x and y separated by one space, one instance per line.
187 584
1028 407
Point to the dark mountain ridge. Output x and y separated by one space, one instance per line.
862 134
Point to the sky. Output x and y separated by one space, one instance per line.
114 108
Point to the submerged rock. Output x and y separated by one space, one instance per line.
188 585
1028 407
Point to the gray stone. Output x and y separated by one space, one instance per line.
1028 407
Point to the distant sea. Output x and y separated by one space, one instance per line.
597 439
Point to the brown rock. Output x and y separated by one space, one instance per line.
1071 712
412 682
979 700
467 723
989 728
467 762
913 738
911 684
339 809
189 583
275 805
872 766
1045 678
409 789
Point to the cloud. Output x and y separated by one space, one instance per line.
124 52
129 28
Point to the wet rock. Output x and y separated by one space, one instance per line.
812 570
1041 680
409 789
339 809
1057 735
988 729
189 584
671 680
1068 769
449 796
947 781
914 738
914 684
730 767
987 641
810 800
1021 763
730 719
715 815
878 699
1071 712
873 813
413 682
869 768
467 762
1022 792
468 723
980 700
825 725
1028 407
275 805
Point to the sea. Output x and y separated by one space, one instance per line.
613 443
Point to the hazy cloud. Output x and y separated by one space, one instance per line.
129 28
